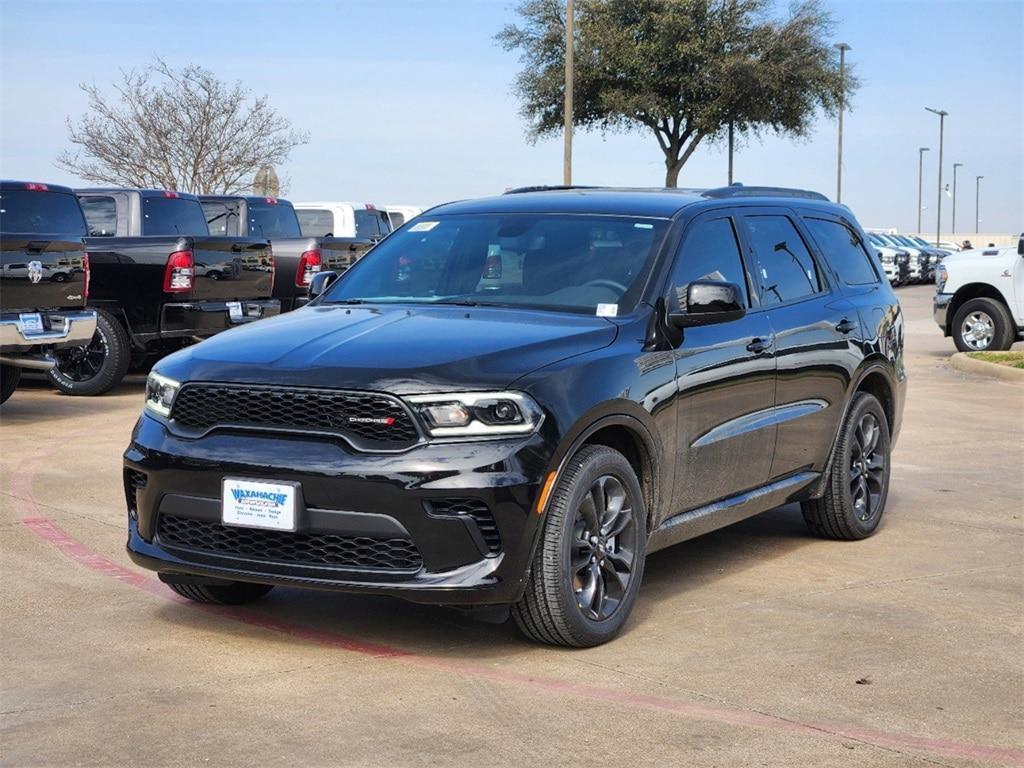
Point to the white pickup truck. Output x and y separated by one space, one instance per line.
979 297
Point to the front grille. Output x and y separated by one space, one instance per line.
472 508
134 481
308 549
368 421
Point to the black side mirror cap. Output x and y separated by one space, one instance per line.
321 282
709 302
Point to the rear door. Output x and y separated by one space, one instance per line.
815 331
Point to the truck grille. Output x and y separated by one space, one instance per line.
307 549
368 421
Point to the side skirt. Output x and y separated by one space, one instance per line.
697 522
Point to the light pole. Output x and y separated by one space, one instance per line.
843 48
977 201
920 177
942 125
955 166
567 107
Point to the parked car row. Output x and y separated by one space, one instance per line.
921 257
129 275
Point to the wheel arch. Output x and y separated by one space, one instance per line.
972 291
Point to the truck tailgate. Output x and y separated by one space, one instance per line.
231 268
41 272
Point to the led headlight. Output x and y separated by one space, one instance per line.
160 393
477 414
887 258
941 276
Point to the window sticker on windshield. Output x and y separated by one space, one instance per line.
423 226
638 225
607 310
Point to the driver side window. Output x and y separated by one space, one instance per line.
709 251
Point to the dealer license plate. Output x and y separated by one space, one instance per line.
30 322
254 504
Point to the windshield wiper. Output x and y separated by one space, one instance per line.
346 301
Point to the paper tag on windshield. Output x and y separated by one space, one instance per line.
607 310
423 226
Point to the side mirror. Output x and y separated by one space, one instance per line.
321 282
709 302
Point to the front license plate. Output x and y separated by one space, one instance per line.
255 504
30 322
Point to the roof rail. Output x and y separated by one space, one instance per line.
546 188
738 190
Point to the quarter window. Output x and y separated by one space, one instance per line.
843 249
709 252
100 215
786 271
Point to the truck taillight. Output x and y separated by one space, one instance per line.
85 269
180 272
310 263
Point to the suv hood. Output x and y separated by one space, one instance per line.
400 349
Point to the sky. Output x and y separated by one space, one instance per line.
410 102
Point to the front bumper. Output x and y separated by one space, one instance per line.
206 318
940 310
358 510
23 346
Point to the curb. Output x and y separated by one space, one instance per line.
962 362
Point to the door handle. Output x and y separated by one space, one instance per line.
760 346
845 326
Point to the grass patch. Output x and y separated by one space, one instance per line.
1012 359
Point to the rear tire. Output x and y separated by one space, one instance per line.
97 367
235 593
858 476
589 562
10 375
983 324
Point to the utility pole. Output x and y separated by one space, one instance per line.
843 48
920 177
730 151
570 19
955 166
942 125
977 201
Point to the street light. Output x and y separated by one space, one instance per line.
942 125
977 200
843 48
920 177
955 166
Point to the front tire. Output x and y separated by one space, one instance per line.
589 562
97 367
10 375
983 324
234 593
858 476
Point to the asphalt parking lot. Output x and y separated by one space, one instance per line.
755 645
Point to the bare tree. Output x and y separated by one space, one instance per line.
181 129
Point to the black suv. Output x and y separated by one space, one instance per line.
511 401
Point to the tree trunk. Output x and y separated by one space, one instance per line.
672 168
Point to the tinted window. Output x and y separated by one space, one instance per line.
565 262
272 220
373 224
397 219
709 252
844 251
786 270
221 217
172 216
316 223
100 215
32 212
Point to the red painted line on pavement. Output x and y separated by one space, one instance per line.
74 549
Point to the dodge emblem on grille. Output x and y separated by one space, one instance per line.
388 421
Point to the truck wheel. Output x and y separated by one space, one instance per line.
590 559
9 377
97 367
235 593
858 476
982 324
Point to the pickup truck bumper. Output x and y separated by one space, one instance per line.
940 310
26 338
205 318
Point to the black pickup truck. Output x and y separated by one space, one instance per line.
297 257
160 281
44 282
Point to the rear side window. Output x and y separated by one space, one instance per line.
709 252
786 271
172 216
316 223
221 218
844 251
100 215
40 213
372 224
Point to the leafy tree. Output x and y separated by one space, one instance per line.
682 69
179 129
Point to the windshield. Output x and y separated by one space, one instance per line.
173 216
40 213
559 262
272 220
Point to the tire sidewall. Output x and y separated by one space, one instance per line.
114 366
9 377
991 308
864 404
